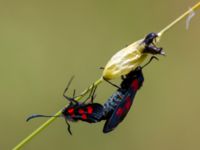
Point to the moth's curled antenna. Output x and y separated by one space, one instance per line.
38 115
68 127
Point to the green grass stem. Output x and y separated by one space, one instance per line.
49 121
178 19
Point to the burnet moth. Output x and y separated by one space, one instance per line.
86 111
119 104
114 109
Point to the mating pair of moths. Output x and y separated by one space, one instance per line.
125 63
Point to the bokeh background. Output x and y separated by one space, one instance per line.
43 43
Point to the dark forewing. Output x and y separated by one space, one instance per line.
90 112
119 113
124 106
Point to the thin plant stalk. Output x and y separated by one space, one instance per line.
178 19
49 121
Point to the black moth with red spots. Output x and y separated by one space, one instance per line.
86 111
114 109
89 112
119 104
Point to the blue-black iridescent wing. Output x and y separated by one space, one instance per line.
123 107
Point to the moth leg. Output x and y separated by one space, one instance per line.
74 93
112 84
122 77
152 57
91 94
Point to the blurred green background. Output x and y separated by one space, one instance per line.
43 43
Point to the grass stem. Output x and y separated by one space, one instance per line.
49 121
178 19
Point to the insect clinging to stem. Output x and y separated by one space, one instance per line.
141 57
86 111
114 109
119 104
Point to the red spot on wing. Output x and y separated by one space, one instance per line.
84 117
80 111
135 85
128 103
70 110
89 110
119 111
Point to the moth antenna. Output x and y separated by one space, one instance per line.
68 127
65 96
90 95
68 84
38 115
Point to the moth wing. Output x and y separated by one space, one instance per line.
89 113
120 112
